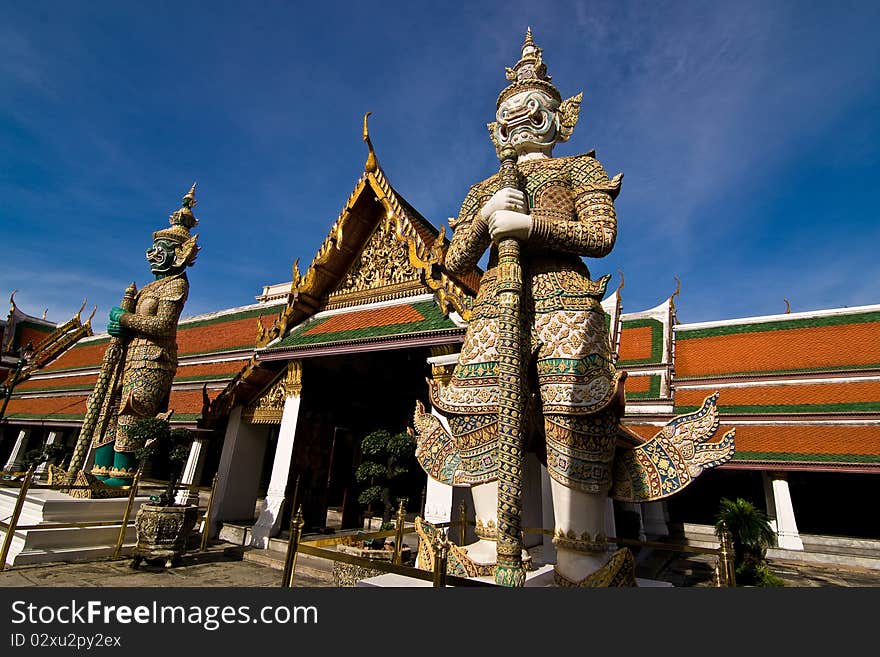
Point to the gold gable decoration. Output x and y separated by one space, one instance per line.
269 408
382 271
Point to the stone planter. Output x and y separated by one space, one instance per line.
346 574
162 532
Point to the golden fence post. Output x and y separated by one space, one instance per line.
296 526
206 526
120 539
727 555
398 539
13 519
441 547
462 522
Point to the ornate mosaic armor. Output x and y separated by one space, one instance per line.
151 355
566 345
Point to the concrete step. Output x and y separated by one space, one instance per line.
831 550
306 565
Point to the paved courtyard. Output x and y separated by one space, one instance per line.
223 566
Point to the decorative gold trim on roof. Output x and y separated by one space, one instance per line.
675 294
59 340
269 407
306 294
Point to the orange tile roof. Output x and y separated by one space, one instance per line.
814 444
638 384
635 343
220 336
809 348
813 439
398 314
82 354
188 403
774 396
50 408
57 383
33 334
210 370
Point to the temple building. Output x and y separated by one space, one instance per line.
281 391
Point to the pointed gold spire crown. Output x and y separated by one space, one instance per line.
529 72
181 220
184 216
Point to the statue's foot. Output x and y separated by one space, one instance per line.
620 570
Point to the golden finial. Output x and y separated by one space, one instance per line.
529 41
12 301
81 308
676 293
372 163
89 320
189 200
297 277
261 330
620 287
787 306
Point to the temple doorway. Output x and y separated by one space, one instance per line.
346 397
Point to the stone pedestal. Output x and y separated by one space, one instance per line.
162 532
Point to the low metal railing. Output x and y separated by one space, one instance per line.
723 574
24 481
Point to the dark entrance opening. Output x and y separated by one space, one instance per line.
345 398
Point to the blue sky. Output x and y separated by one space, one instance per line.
748 133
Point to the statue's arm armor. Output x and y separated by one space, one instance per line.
593 230
162 324
470 238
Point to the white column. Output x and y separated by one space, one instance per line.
192 471
239 471
654 518
781 511
14 461
270 518
50 440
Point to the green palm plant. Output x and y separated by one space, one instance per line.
751 534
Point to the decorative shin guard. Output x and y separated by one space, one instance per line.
619 571
103 462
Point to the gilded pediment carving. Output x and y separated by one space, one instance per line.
382 270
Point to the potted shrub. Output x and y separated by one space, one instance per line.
162 525
386 458
752 534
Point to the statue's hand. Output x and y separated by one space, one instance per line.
508 198
115 313
505 223
115 329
